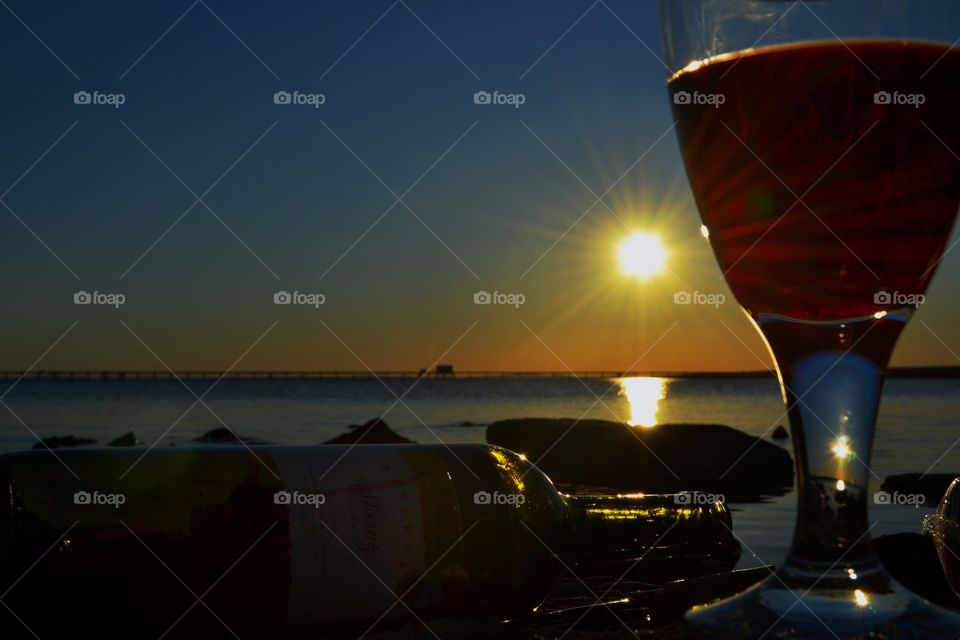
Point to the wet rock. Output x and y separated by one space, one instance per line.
374 431
664 459
780 433
129 439
932 485
60 442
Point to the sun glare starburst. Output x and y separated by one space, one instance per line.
642 255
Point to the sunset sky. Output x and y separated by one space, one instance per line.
297 197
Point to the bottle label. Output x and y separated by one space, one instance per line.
356 531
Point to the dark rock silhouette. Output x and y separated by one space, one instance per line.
912 560
664 459
222 435
129 439
933 486
374 431
780 433
59 442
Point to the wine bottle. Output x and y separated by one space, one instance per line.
269 538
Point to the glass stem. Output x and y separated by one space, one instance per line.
831 377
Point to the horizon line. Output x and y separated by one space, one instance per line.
261 374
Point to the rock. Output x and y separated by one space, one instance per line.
222 435
129 439
912 560
665 459
59 442
374 431
933 486
780 433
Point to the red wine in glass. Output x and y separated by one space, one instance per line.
827 172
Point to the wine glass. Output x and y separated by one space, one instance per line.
820 140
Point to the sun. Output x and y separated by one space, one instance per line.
642 255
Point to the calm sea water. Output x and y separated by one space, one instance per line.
918 427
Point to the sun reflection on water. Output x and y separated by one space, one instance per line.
644 396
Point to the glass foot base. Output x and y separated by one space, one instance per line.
771 611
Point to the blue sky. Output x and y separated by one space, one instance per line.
298 196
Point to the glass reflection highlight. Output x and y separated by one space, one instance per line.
860 598
643 394
841 448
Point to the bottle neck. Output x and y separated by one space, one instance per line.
654 532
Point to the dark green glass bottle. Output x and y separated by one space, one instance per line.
253 542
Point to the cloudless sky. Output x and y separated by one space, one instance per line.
296 198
